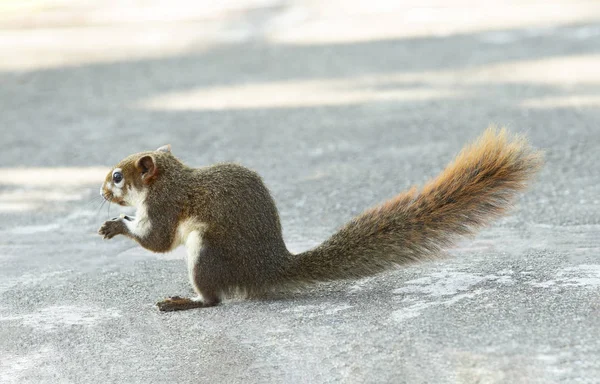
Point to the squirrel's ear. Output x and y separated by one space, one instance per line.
165 148
147 166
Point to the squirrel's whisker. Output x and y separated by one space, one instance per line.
100 207
93 200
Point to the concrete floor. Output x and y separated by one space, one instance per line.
339 106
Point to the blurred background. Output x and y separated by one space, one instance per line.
291 88
338 105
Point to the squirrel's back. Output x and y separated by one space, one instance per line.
243 242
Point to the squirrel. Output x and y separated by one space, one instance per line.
229 224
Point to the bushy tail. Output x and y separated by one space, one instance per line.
479 186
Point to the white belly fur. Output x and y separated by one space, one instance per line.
189 233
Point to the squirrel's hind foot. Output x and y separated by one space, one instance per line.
176 303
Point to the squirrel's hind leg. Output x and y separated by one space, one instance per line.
207 296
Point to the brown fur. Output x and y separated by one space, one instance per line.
242 246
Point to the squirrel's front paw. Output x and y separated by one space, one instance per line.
112 228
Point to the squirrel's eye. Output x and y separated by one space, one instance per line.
117 177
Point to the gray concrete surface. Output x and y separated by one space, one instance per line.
335 121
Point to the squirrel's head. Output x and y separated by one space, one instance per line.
127 183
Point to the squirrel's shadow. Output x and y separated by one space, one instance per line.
337 291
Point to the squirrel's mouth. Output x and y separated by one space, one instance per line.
111 198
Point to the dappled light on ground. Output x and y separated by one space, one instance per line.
407 87
28 189
572 101
51 34
339 21
560 71
45 48
294 94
